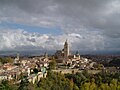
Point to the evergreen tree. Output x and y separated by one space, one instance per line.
52 64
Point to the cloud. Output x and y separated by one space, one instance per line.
88 24
22 40
101 14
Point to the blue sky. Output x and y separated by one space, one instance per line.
31 29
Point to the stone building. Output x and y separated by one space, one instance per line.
63 55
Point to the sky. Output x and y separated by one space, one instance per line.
88 25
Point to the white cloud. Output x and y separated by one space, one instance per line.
20 39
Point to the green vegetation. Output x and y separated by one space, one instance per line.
52 64
100 81
5 85
6 60
55 81
78 81
115 62
35 70
98 66
25 85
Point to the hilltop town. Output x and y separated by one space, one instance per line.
36 67
24 71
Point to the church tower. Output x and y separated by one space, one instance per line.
66 50
18 56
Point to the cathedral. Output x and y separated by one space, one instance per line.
64 55
66 50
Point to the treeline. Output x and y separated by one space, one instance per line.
100 81
115 62
4 60
78 81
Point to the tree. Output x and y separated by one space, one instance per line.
5 85
6 60
75 87
71 84
85 86
52 64
93 85
25 85
9 60
35 70
113 84
104 86
115 62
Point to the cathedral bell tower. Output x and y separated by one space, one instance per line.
66 50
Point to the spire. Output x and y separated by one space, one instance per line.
77 52
46 55
66 42
66 50
18 55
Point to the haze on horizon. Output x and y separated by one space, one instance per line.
89 25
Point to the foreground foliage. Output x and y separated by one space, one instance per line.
78 81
